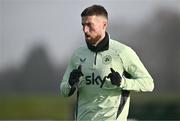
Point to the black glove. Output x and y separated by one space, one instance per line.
75 75
114 77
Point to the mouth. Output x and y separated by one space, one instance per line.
87 36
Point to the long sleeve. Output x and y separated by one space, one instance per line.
141 79
65 87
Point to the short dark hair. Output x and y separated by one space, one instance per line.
95 10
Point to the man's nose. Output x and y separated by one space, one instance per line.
85 29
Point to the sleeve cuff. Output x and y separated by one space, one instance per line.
123 81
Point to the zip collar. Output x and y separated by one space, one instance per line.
102 46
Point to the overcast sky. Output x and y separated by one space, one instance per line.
57 24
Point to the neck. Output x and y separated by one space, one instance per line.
102 45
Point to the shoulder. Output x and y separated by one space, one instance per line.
126 53
119 47
80 50
77 53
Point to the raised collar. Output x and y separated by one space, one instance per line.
102 46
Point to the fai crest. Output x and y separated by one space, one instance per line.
107 59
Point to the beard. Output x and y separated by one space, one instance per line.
92 40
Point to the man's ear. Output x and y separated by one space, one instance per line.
105 24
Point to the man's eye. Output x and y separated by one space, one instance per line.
89 24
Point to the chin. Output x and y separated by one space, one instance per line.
90 41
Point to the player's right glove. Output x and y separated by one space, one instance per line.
75 75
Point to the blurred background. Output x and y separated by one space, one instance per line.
38 37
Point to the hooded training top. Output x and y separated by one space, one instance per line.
98 99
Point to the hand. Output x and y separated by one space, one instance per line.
114 77
75 75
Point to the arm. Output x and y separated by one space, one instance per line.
65 88
141 80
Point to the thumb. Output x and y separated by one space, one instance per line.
109 75
112 70
79 69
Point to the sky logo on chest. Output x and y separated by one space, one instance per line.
95 80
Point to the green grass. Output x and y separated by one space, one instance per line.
35 107
155 97
143 106
155 106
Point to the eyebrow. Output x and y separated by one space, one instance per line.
88 23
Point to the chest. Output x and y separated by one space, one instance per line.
99 63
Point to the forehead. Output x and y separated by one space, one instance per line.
93 18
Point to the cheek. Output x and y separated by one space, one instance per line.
96 30
99 28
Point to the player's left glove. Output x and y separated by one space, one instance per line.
114 77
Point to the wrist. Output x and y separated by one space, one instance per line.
119 84
72 89
122 85
73 86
